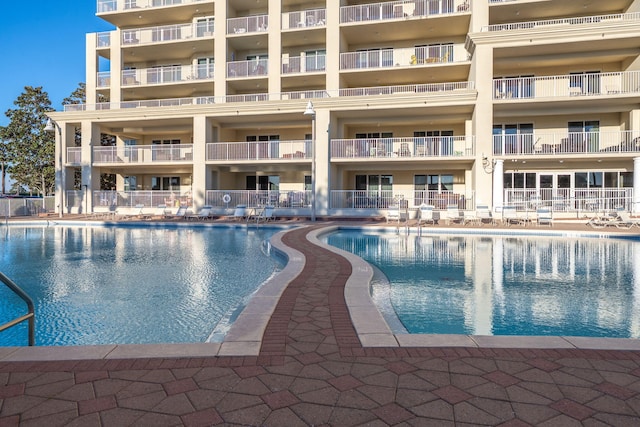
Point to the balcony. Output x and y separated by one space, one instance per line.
247 24
547 24
388 58
140 13
311 18
406 148
382 199
303 64
573 85
259 150
579 143
74 155
137 154
121 5
280 199
103 40
249 68
167 33
167 75
104 79
401 9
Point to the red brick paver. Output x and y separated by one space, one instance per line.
312 370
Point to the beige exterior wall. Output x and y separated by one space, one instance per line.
416 72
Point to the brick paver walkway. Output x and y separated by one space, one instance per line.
312 370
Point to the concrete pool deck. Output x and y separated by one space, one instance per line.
318 363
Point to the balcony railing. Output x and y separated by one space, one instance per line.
103 40
303 64
304 19
133 154
386 58
74 155
567 143
406 148
249 68
281 199
589 200
247 24
404 90
151 198
581 20
104 79
105 6
167 33
259 150
572 85
401 9
167 74
409 199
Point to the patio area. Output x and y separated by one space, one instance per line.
312 369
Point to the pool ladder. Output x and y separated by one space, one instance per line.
30 316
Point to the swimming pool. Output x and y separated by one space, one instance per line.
503 285
124 285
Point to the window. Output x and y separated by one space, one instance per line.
519 180
583 137
204 27
586 82
513 138
165 183
435 189
375 191
433 143
315 60
164 73
205 68
373 58
161 150
130 183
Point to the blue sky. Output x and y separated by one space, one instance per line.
43 44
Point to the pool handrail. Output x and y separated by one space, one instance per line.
30 316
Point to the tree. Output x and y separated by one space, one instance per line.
79 96
4 161
31 150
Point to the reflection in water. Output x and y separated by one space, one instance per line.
496 285
129 285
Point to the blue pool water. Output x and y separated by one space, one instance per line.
501 285
99 285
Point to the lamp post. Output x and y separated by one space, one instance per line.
50 128
309 111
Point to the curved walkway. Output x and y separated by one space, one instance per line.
312 370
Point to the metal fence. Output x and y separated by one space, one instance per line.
28 206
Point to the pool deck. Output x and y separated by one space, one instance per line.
320 358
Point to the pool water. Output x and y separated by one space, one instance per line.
505 285
110 285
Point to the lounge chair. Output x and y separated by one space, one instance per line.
262 215
393 213
453 214
624 220
544 216
510 216
204 213
239 213
160 212
180 213
483 213
425 214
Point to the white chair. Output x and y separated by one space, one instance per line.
425 214
453 214
544 216
204 213
240 212
483 213
510 215
262 215
393 213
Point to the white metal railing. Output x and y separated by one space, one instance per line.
291 199
386 58
106 6
147 198
589 200
167 74
247 24
167 33
249 68
570 85
567 143
303 64
580 20
410 199
144 153
103 40
406 147
104 79
401 9
259 150
74 155
304 19
405 90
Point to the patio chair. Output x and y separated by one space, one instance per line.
624 220
262 215
453 214
483 213
239 213
544 216
425 214
180 213
510 216
393 213
204 213
160 211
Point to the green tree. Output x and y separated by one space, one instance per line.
77 97
4 161
31 150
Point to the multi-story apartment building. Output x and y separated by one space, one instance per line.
493 102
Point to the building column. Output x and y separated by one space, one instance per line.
635 208
322 187
90 133
498 184
201 135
